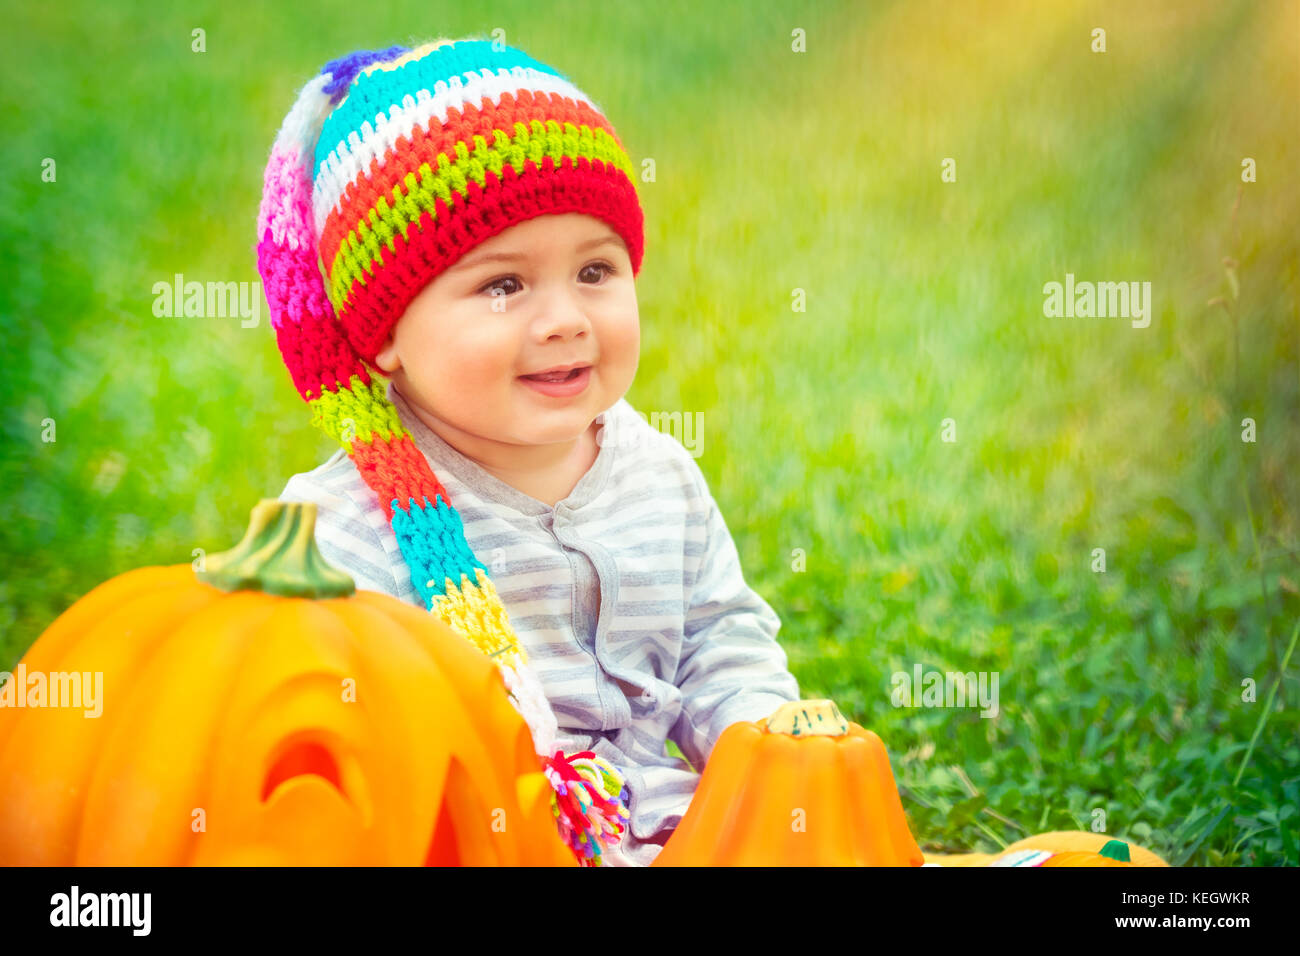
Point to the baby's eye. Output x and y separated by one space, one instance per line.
601 269
496 284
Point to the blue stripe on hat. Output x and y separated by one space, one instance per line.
379 91
432 539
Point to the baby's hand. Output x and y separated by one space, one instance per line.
805 718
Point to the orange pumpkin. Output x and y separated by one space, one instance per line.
264 711
805 787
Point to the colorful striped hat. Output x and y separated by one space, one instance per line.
391 165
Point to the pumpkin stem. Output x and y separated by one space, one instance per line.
278 555
807 718
1116 850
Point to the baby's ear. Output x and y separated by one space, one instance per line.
386 359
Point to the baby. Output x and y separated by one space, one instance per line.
468 337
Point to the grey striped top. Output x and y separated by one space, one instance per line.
628 597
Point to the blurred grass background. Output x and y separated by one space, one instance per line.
1120 692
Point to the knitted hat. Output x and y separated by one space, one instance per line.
391 165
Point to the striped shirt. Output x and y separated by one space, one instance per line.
627 596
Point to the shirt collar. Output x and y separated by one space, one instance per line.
442 457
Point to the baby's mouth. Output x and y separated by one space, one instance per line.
558 376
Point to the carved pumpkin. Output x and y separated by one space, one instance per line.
805 787
264 711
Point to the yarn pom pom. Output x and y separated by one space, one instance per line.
589 802
344 70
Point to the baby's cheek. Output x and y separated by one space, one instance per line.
490 361
478 368
620 347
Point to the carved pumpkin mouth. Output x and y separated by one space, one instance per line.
462 828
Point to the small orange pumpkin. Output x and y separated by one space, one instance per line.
805 787
264 711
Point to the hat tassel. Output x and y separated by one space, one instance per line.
589 803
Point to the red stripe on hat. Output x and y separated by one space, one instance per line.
318 356
396 469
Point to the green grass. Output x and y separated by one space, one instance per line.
1120 692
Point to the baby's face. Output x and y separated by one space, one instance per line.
550 291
